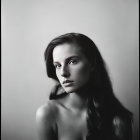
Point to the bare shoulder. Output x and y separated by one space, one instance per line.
46 117
47 112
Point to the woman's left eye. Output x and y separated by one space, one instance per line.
73 62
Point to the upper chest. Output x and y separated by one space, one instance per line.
71 125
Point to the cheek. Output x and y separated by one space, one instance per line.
82 72
58 75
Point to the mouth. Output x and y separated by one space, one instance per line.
67 82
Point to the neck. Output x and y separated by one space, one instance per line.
76 101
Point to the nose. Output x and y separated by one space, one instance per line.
64 71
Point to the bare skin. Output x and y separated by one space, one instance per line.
65 117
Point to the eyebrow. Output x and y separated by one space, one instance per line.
69 58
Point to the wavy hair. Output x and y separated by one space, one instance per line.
102 103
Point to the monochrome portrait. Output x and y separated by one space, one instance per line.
70 70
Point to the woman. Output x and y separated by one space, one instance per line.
82 105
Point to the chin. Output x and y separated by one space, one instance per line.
70 90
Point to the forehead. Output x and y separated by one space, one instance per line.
63 51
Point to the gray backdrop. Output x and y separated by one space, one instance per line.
27 28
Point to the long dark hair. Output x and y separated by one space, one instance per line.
102 103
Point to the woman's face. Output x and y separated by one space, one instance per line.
72 67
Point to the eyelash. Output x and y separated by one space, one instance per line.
57 66
73 62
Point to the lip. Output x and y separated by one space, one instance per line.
68 82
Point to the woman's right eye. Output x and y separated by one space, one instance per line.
57 66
